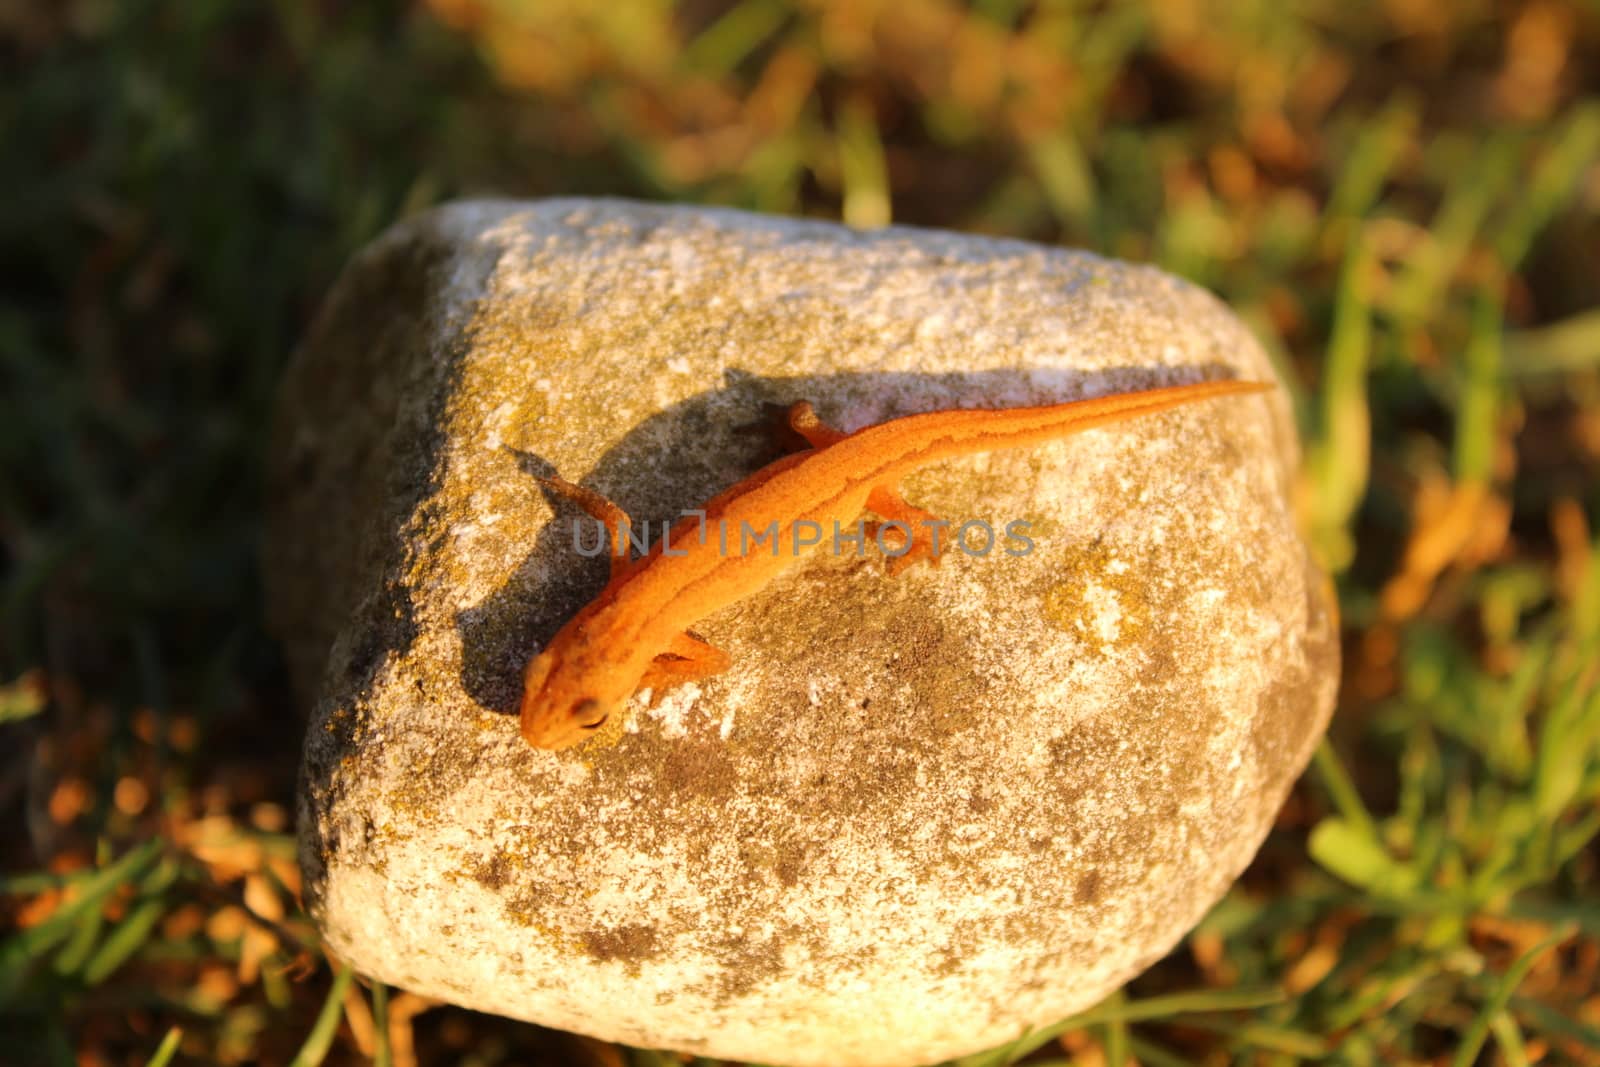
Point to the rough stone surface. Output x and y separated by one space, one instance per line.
920 813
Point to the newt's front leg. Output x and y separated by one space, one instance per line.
686 659
887 501
884 499
612 517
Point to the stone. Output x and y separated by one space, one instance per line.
920 814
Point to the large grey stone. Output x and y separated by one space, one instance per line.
920 813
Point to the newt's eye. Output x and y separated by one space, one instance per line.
588 713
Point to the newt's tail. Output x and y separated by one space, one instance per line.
920 439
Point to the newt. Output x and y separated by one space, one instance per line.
634 634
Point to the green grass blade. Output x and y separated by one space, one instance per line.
1512 1048
1266 1036
1564 347
320 1040
1063 172
1552 1023
1346 798
1569 734
1467 202
1121 1012
129 936
1115 1039
1472 1040
23 698
727 42
862 167
167 1049
1154 1055
1574 150
19 952
81 942
1478 408
1360 859
1371 161
1186 1003
381 1055
1340 459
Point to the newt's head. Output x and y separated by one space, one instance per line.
560 707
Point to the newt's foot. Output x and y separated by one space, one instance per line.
897 561
688 658
794 428
928 540
614 519
804 420
802 427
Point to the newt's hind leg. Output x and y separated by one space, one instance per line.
686 659
804 420
885 499
795 428
929 533
614 519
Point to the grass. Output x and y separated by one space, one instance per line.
1402 200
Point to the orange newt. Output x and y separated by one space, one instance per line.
633 635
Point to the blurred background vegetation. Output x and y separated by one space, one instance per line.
1402 198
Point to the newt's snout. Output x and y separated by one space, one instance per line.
553 719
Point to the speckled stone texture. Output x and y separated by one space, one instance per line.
920 813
